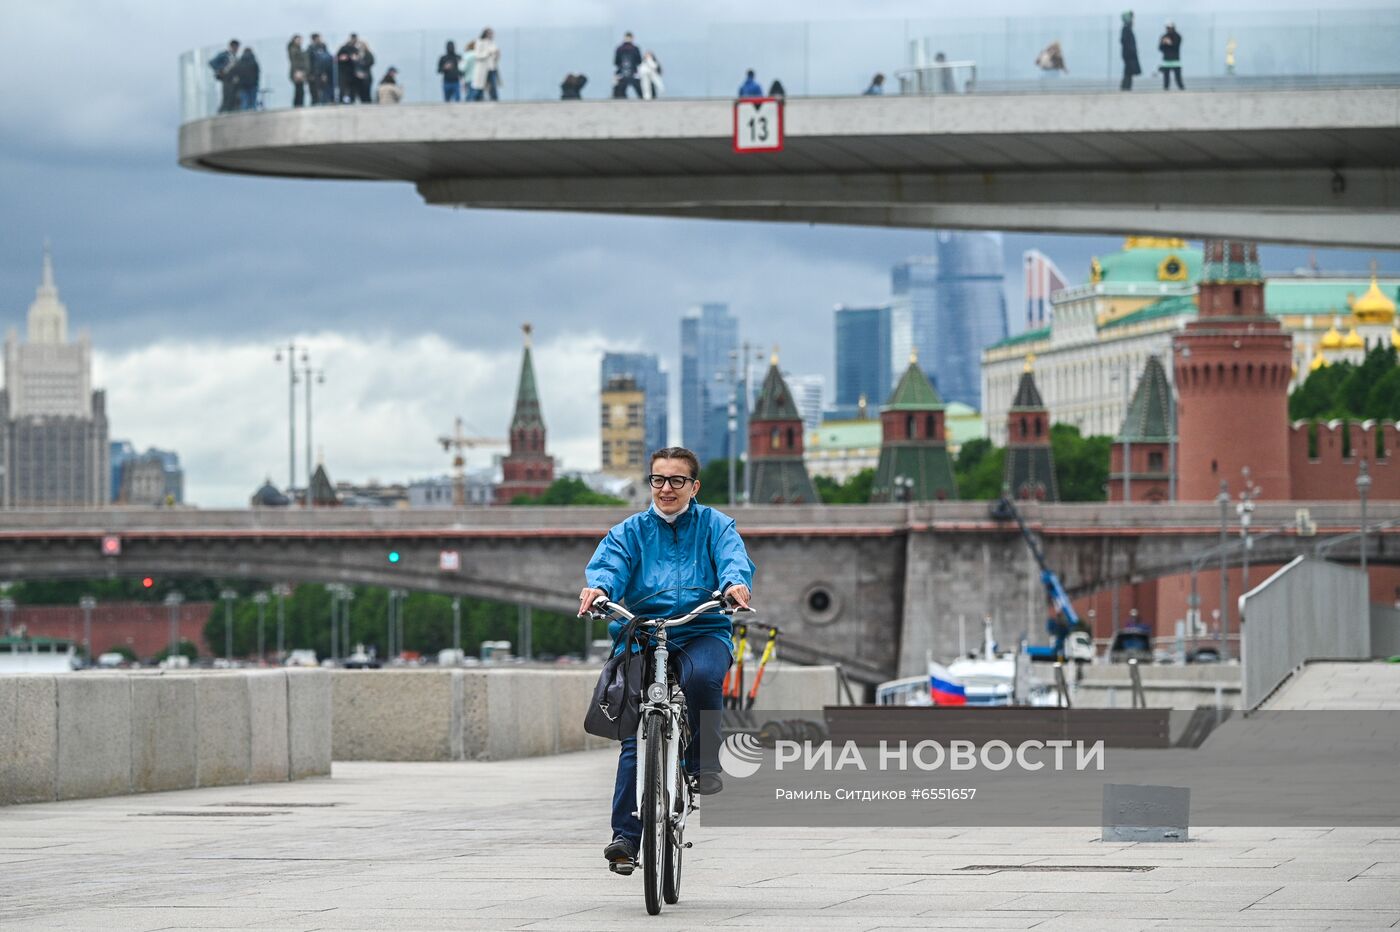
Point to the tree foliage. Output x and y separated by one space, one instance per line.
567 492
1342 390
979 470
854 491
714 483
1081 467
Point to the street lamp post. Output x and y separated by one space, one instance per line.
291 350
1245 509
260 600
347 596
334 590
281 590
7 608
228 595
1223 500
87 603
457 627
320 378
172 603
1363 486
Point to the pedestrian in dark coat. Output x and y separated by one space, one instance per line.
345 70
627 61
322 71
450 67
299 67
1170 47
1131 68
222 65
364 73
247 75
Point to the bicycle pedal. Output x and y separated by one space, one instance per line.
622 868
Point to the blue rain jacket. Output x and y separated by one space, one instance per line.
660 570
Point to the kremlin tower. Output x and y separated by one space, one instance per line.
1232 364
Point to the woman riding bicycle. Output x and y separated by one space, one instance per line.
654 562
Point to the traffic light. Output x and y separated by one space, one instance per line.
147 582
393 556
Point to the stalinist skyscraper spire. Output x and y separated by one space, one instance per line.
53 426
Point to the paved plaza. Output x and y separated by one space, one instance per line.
517 845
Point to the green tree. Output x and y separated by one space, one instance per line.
979 469
1081 464
1343 390
1383 400
568 492
714 482
188 648
854 491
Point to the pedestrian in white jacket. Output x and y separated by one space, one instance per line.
486 75
649 72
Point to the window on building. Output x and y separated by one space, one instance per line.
929 431
1025 428
1154 462
908 427
775 439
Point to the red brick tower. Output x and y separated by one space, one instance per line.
1233 364
779 475
528 469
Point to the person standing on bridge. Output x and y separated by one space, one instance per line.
1170 47
649 74
1131 67
683 549
322 71
627 62
750 87
450 67
299 64
486 73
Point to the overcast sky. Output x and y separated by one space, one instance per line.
189 280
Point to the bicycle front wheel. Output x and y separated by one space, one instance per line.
655 810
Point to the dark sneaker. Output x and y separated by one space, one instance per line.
708 784
622 855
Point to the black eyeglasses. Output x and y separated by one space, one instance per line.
676 482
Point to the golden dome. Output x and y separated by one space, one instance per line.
1353 340
1332 339
1318 361
1374 307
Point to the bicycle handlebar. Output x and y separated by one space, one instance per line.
605 608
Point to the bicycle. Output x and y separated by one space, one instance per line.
665 792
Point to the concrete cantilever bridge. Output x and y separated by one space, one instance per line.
874 586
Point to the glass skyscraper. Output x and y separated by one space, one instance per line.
645 370
709 333
863 359
947 308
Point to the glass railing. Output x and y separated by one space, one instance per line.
916 56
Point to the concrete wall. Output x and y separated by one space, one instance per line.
82 735
1385 631
1170 686
499 714
1309 610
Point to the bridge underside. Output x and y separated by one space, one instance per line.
1307 166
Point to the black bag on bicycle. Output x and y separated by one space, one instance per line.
616 706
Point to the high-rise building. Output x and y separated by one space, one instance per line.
913 317
809 394
622 425
945 308
527 469
862 359
970 312
645 370
709 334
53 426
150 478
1043 278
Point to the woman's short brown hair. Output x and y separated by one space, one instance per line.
678 453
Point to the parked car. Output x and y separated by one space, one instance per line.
1203 655
1133 642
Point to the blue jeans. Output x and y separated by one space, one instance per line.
451 90
247 98
702 663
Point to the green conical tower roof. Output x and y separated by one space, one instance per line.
527 399
1149 418
775 401
1027 395
914 392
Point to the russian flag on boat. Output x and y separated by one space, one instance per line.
944 686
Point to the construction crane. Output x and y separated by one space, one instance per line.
457 443
1072 639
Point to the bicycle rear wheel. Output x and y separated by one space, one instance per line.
654 809
671 880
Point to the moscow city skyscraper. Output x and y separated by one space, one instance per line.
709 333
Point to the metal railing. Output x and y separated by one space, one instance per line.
1288 48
